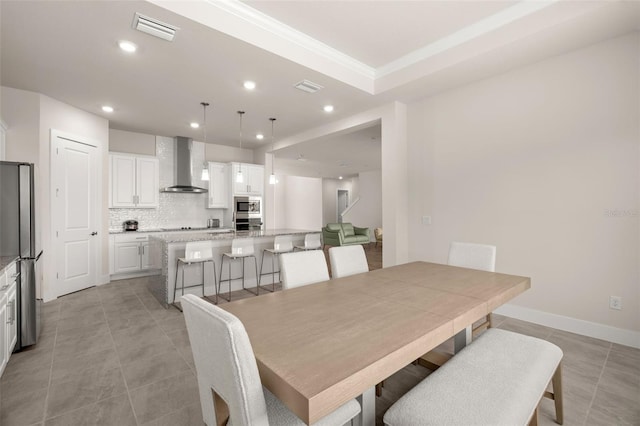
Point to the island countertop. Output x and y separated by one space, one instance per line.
179 237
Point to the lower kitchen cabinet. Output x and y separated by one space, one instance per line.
4 353
129 254
8 313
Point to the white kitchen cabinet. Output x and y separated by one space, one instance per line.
4 353
8 286
253 179
218 186
11 321
130 253
133 181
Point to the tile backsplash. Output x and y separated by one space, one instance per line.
175 209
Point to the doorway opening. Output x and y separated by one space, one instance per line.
342 202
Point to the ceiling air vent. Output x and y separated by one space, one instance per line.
308 86
154 27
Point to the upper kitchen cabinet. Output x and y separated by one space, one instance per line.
253 179
133 181
218 186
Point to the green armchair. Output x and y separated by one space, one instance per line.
343 234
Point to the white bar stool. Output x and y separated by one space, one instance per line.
241 248
281 244
311 242
195 252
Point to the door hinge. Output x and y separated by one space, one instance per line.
57 275
57 152
56 233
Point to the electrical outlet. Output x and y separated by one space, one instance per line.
426 220
615 302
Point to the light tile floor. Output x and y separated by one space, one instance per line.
112 355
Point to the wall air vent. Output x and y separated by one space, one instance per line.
308 86
154 27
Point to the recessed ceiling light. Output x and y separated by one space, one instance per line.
260 136
127 46
107 108
328 108
194 125
340 177
249 85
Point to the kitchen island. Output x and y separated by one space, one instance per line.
165 249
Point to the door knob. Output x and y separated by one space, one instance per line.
94 233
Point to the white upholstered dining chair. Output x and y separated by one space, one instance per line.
228 376
311 242
303 268
347 260
474 256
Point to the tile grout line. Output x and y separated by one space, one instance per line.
53 350
113 341
595 391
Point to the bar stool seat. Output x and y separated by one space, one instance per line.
311 242
241 248
195 252
281 244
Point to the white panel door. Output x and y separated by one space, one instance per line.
147 182
75 198
123 181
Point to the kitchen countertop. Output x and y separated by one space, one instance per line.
182 237
161 230
6 260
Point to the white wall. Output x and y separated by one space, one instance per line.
367 212
543 162
30 117
298 203
132 142
329 196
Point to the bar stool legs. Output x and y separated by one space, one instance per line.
183 262
273 272
229 279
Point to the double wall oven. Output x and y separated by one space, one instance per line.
247 213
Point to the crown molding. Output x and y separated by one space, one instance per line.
480 28
287 33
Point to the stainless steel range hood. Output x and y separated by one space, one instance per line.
183 168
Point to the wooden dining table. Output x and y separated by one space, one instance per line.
320 345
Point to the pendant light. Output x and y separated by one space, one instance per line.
272 177
239 177
205 168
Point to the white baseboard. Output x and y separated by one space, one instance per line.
573 325
104 279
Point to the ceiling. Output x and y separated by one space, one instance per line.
364 54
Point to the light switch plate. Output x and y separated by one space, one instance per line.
426 220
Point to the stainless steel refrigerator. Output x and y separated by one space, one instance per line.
19 237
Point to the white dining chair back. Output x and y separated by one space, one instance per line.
311 242
242 247
227 372
303 268
347 260
218 335
473 256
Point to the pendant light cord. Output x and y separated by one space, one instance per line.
273 155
